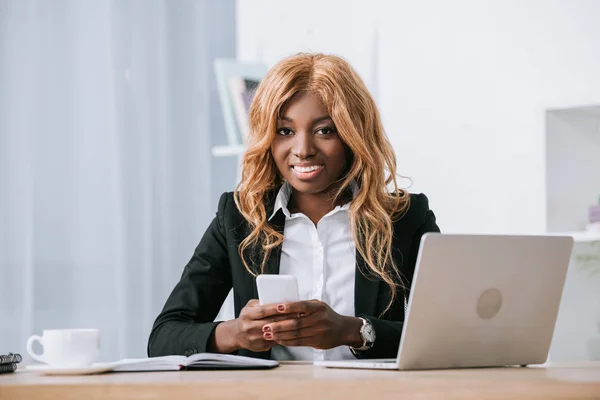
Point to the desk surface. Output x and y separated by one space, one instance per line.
566 381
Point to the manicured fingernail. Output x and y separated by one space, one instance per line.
281 307
266 328
268 336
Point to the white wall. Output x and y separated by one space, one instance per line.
463 87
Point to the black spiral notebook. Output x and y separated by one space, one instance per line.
8 362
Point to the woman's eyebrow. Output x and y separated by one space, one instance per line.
316 120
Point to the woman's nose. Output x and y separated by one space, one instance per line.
303 146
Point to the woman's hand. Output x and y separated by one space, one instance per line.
315 325
246 331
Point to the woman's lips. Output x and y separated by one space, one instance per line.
307 172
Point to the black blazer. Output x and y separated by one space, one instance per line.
185 324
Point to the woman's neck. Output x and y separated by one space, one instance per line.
316 206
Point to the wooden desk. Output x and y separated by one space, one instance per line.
575 381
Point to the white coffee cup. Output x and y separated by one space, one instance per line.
66 347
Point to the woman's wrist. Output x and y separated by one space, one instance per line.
224 338
352 336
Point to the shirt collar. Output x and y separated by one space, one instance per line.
285 192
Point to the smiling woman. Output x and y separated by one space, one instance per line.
318 200
310 155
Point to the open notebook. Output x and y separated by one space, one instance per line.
195 361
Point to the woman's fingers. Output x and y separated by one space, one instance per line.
311 331
307 341
300 307
255 311
291 324
262 327
277 318
293 328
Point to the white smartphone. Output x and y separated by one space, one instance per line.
276 289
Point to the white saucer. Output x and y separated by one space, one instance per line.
97 368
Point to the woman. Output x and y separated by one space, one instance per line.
314 201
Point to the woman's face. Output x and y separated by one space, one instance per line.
307 149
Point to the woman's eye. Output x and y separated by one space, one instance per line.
325 130
284 132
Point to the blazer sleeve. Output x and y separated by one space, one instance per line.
388 333
185 325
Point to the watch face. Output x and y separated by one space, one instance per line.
369 333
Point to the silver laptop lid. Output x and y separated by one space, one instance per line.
483 300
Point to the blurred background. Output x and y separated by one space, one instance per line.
115 141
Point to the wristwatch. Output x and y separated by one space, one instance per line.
367 333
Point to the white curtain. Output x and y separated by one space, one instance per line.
105 166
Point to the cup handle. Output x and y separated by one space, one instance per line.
37 357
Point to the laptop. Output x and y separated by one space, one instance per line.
479 301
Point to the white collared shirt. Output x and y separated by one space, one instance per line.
323 259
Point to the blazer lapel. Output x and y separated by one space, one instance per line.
366 290
278 223
272 265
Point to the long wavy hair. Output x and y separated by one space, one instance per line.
378 201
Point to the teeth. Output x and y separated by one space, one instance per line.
307 169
